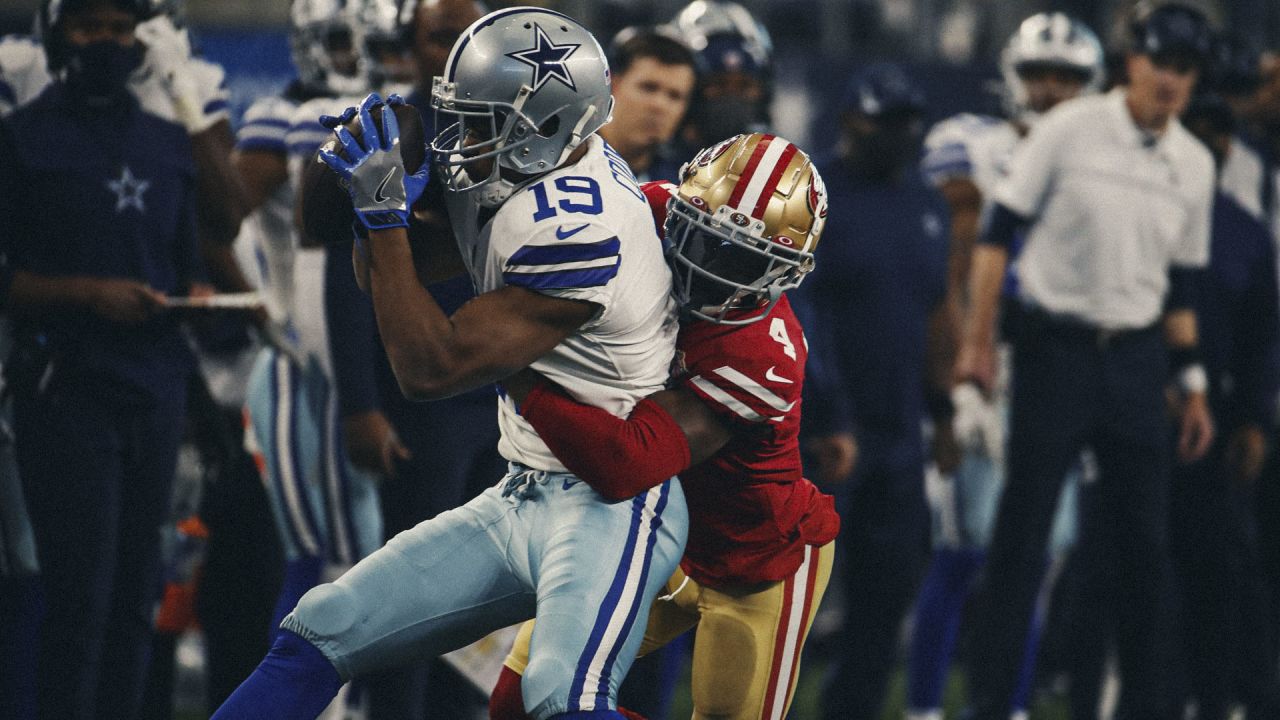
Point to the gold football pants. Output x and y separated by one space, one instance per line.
746 655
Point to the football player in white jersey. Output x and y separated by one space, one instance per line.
326 511
561 246
1050 59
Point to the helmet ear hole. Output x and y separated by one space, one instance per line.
550 127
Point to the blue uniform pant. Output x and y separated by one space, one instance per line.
97 472
538 542
885 545
1073 387
1224 624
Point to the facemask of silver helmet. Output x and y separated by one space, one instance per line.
1049 39
701 20
742 227
384 48
522 89
320 31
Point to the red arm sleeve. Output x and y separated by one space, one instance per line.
618 458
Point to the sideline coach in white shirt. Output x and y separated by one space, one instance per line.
1115 197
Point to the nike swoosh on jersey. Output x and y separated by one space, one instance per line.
561 234
771 375
378 195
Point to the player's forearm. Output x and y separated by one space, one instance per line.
223 203
619 458
985 278
224 269
30 292
414 330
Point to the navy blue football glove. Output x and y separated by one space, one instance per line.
382 193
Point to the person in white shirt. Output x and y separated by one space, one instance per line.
1115 196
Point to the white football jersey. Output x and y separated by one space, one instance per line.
24 74
1243 176
306 300
24 71
267 234
977 147
583 232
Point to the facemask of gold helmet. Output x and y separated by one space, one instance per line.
742 227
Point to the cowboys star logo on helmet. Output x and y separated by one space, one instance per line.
547 59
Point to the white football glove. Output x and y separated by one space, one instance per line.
978 424
169 56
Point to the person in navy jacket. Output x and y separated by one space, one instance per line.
98 214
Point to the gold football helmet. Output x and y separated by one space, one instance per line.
742 226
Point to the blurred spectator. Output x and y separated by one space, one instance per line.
1050 59
1235 81
98 197
401 440
653 82
869 309
326 512
19 570
735 72
1115 195
1226 632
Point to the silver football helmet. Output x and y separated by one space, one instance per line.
385 51
522 89
320 31
704 19
1049 39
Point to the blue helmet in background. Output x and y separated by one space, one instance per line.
884 89
1174 31
1237 67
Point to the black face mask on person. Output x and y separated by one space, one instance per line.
883 149
100 70
723 117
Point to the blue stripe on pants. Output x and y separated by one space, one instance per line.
610 603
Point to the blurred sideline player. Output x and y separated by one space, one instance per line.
654 78
100 371
881 284
760 539
175 84
1050 59
384 432
1225 630
326 511
735 71
1235 77
573 283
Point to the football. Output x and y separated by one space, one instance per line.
324 208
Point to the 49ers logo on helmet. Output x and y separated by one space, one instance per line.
712 154
817 194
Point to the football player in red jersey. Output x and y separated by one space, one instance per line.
740 229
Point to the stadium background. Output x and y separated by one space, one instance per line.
950 48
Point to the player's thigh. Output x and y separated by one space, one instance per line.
598 568
283 435
746 656
673 612
434 588
978 482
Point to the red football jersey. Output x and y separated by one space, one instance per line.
751 511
